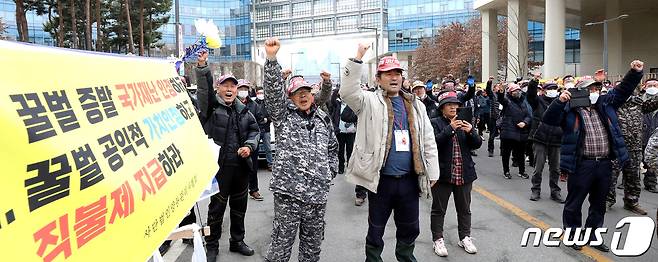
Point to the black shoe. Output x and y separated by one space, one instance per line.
635 209
507 175
602 247
651 189
558 198
620 186
534 196
211 255
242 248
164 248
524 175
490 154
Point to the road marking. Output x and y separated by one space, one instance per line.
588 251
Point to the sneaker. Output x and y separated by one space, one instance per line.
491 154
534 196
440 248
524 175
359 201
256 196
467 244
507 175
651 189
558 198
636 209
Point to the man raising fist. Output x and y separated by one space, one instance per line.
301 174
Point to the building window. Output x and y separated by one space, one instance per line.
324 26
347 5
322 7
281 30
302 28
280 12
301 9
263 31
346 23
370 20
262 14
369 4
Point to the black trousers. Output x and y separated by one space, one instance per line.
345 145
232 182
253 174
440 195
592 179
507 147
484 123
400 197
493 132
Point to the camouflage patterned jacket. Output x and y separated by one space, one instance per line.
651 152
631 120
307 150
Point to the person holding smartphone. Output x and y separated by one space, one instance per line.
455 140
514 127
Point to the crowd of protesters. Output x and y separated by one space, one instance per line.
408 139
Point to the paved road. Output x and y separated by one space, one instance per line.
501 212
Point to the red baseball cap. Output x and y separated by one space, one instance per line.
244 82
511 87
223 79
388 63
296 84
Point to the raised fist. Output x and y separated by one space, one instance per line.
363 48
272 46
326 76
637 65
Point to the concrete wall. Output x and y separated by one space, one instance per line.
635 37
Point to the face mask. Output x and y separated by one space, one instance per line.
652 90
593 97
569 85
435 93
525 90
260 96
552 93
423 97
243 94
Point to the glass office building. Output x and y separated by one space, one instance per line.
312 18
410 21
536 45
34 24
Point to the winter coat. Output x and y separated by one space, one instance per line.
514 111
264 124
651 151
307 157
540 132
443 134
371 137
221 121
650 121
430 107
560 114
631 121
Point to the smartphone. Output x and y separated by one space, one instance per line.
465 114
579 98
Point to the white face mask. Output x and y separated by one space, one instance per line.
652 90
552 93
243 94
260 96
593 97
525 89
423 96
435 93
569 85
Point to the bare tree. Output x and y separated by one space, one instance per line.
60 25
131 43
21 21
141 27
87 24
99 30
74 27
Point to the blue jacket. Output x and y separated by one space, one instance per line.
560 114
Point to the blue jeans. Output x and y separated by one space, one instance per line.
266 137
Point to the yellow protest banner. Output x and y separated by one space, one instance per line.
102 155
